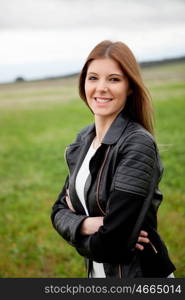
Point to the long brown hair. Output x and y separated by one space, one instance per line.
138 105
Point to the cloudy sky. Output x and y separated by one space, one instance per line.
42 38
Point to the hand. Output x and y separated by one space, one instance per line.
68 201
90 225
142 239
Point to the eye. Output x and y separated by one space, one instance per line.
92 78
114 79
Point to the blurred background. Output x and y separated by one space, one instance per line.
44 44
52 37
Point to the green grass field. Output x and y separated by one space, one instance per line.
37 121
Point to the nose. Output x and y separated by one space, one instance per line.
101 86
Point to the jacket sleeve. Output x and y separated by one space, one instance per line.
64 220
131 185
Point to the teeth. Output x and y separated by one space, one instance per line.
102 100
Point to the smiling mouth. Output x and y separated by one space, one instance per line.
102 100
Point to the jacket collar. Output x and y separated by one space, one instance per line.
115 130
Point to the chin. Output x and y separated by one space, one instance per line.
105 114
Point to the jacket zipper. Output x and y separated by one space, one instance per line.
65 157
120 271
99 179
97 197
153 247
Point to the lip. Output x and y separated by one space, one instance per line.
104 98
101 100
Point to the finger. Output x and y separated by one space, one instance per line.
139 247
143 233
143 240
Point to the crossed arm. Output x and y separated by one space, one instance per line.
91 225
131 183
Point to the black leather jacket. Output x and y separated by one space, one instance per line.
120 175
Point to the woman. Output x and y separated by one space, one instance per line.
111 166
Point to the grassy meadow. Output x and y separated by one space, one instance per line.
37 120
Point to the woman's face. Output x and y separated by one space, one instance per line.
106 87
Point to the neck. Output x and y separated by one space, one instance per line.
102 125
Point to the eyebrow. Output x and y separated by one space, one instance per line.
115 74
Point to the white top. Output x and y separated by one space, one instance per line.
83 173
